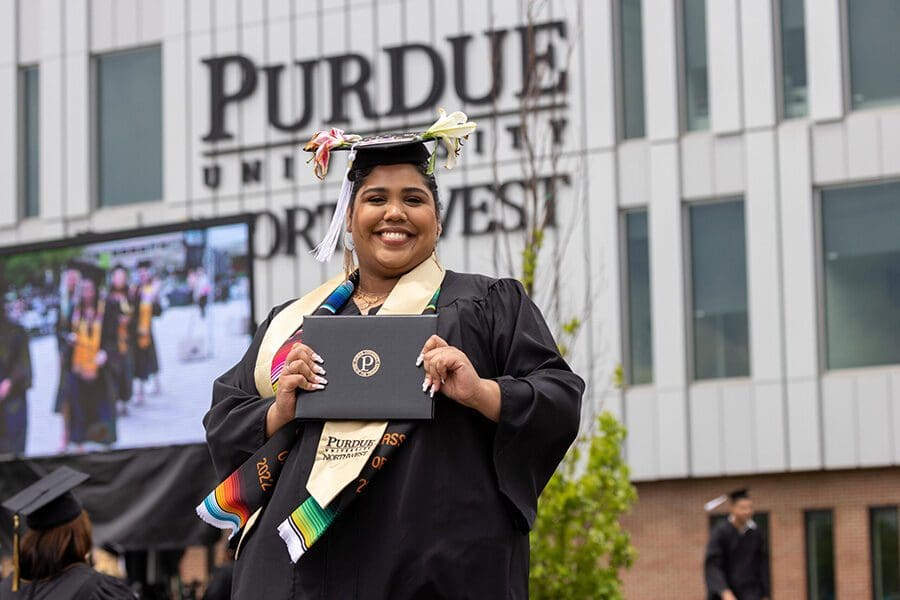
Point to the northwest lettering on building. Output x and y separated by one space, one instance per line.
348 77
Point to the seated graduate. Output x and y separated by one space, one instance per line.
51 560
433 508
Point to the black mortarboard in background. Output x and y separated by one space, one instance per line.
739 494
45 504
389 150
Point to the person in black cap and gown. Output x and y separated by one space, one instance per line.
444 506
146 361
88 391
737 563
51 559
15 379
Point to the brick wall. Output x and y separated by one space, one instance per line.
669 529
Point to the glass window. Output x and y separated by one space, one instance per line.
861 251
30 142
820 555
793 58
885 553
640 340
632 69
874 52
719 290
129 127
695 76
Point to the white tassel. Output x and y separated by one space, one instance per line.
325 250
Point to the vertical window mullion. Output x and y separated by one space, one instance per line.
637 282
129 126
718 257
631 68
793 59
696 83
819 528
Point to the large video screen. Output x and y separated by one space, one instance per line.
113 342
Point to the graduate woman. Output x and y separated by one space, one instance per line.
438 508
51 559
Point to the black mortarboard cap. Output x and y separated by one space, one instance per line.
90 271
739 494
49 502
45 504
390 150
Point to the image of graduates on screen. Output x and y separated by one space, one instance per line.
114 344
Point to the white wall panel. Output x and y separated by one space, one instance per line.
768 416
176 134
804 439
728 165
829 149
634 164
660 70
761 212
39 230
723 48
103 24
173 16
29 30
666 269
51 28
642 443
890 143
199 47
599 71
758 62
9 32
873 405
707 431
823 59
9 188
671 405
798 226
738 426
697 166
200 15
77 166
126 31
840 422
77 24
863 148
150 25
592 254
51 152
225 14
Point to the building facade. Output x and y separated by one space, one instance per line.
722 178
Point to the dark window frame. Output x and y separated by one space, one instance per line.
872 510
22 204
806 549
625 297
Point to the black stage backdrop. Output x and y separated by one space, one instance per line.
140 499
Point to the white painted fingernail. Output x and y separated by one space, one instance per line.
317 358
318 387
318 369
432 392
419 360
321 380
425 384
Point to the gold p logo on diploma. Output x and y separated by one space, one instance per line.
366 363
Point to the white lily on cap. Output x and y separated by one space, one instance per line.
451 129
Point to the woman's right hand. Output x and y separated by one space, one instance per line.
302 372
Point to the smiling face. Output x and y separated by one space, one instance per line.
394 221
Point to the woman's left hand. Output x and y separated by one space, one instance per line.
449 370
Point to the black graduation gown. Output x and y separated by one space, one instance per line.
79 582
449 516
737 561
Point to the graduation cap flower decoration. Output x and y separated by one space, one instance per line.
450 130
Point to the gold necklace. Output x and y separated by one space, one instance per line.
365 299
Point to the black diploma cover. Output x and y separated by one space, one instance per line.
371 367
